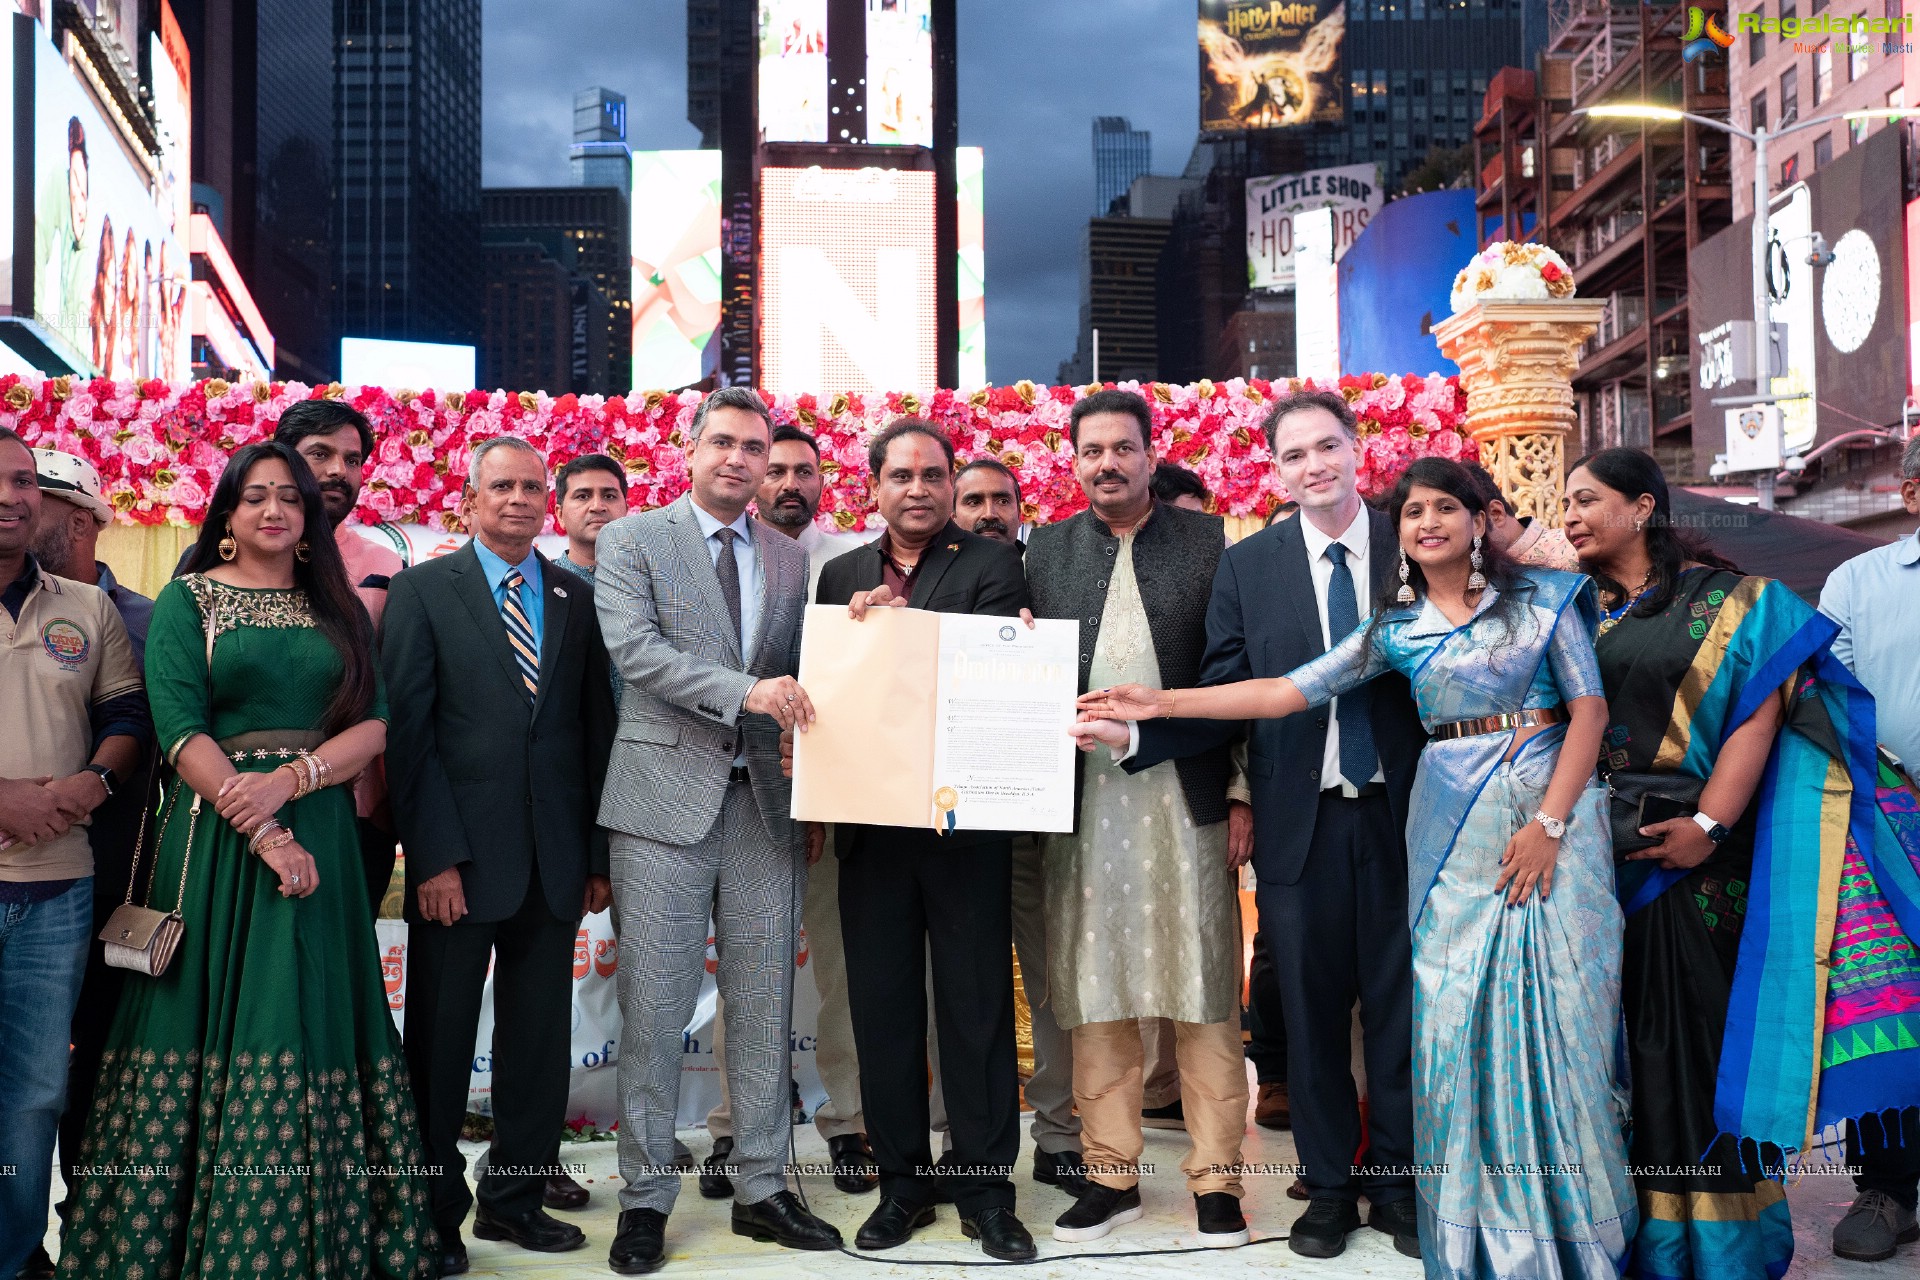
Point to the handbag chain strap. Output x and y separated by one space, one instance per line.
208 627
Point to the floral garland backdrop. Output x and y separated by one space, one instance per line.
160 446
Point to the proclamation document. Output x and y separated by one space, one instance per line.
953 721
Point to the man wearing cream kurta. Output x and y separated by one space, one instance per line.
1142 917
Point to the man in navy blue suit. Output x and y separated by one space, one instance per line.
1332 893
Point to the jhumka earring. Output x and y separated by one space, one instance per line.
302 552
1405 594
227 547
1476 581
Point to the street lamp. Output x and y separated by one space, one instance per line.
1762 197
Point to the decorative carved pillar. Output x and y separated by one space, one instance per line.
1516 361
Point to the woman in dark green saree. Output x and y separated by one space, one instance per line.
1735 987
253 1115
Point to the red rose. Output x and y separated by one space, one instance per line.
1550 273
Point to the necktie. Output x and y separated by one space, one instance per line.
1358 759
513 612
729 570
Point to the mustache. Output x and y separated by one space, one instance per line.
990 524
336 486
1104 476
785 496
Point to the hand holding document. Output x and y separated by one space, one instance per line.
954 721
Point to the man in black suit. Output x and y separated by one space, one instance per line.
501 723
1332 893
906 893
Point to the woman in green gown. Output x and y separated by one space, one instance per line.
253 1116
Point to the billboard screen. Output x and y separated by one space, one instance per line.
1397 279
383 362
793 70
1270 64
102 240
1352 191
970 169
676 265
900 72
847 280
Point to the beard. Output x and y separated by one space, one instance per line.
788 511
53 548
338 500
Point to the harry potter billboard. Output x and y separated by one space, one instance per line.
1270 64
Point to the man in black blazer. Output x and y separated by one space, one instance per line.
905 892
501 722
1332 893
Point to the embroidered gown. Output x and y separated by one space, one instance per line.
253 1115
1518 1115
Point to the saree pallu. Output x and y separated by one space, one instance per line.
1728 1005
1521 1161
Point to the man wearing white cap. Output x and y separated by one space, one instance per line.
65 542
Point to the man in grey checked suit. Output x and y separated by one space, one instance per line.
701 609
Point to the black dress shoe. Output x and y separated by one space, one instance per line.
1000 1233
892 1223
1171 1116
38 1265
714 1182
562 1192
1398 1220
1321 1232
780 1219
640 1244
535 1230
1066 1170
854 1171
451 1260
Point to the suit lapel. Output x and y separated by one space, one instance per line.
934 563
1295 578
553 624
476 593
697 563
763 533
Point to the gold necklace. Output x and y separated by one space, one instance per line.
1613 617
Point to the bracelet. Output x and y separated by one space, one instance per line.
261 832
1168 713
301 784
285 837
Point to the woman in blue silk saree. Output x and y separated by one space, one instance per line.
1771 985
1518 1116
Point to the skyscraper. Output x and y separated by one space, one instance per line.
1121 153
576 237
407 131
599 156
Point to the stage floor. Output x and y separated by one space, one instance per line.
699 1243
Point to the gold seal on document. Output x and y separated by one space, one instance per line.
946 799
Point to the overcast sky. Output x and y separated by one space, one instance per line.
1033 74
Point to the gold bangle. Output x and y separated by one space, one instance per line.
261 833
285 837
1168 713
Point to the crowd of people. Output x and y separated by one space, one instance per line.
1605 847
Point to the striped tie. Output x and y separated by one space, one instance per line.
520 632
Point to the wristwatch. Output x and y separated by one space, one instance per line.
106 777
1715 832
1554 827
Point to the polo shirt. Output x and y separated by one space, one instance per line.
63 654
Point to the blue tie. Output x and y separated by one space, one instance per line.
1358 760
520 632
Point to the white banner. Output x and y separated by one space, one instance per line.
595 1048
1352 191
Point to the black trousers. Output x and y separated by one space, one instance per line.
1888 1156
901 898
1266 1023
1337 935
533 1007
377 849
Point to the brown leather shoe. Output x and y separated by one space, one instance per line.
1272 1111
1297 1190
562 1192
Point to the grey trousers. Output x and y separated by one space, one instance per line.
750 886
1055 1128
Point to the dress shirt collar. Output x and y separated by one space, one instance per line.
1353 537
496 569
710 525
1909 552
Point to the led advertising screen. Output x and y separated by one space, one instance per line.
793 70
1270 64
1352 191
102 241
900 72
676 265
383 362
847 280
970 167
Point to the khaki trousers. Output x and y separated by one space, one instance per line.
1108 1067
833 1053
